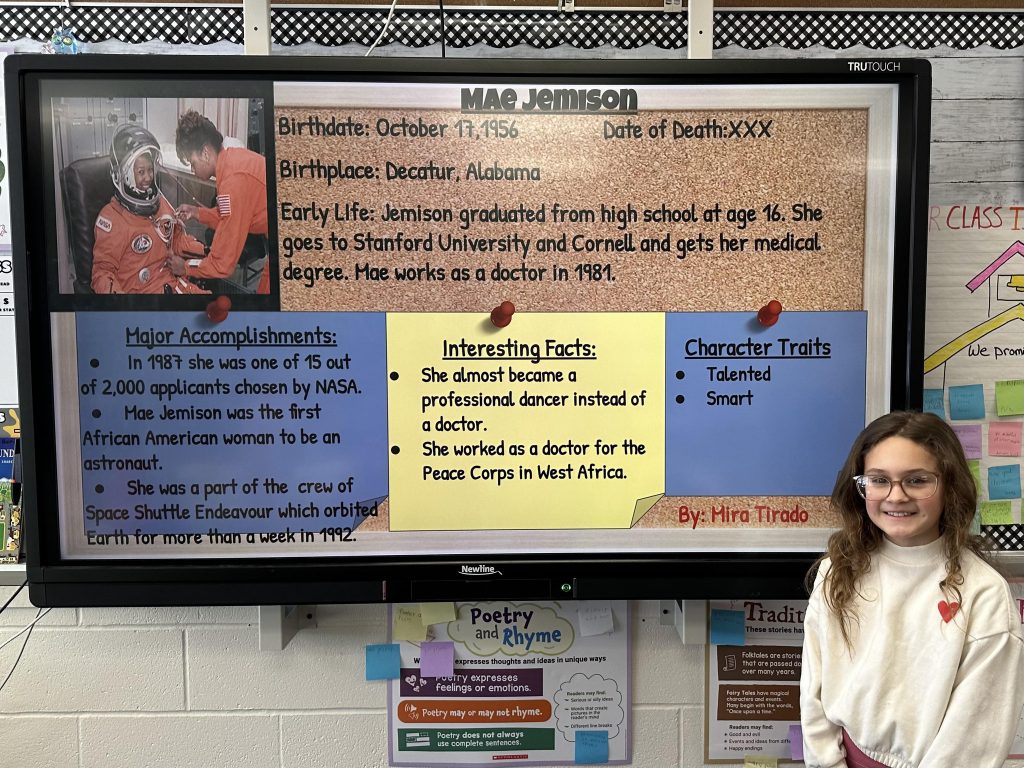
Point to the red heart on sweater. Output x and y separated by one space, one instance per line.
948 610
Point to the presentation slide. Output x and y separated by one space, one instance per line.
468 317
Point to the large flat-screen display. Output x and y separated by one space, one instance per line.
331 330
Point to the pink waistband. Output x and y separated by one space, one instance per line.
855 758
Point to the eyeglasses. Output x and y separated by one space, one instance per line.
919 486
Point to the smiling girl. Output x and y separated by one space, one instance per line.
908 630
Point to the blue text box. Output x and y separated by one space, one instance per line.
798 405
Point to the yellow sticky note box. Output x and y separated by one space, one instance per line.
556 421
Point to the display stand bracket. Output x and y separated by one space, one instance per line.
280 623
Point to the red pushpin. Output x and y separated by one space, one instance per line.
217 310
768 315
501 315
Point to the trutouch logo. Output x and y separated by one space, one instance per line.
480 570
874 66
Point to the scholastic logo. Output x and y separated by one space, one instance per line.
479 570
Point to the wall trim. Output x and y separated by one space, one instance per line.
538 28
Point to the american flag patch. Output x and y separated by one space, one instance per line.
224 205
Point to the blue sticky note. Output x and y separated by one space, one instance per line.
967 402
796 739
437 659
933 403
1004 482
728 627
383 661
591 747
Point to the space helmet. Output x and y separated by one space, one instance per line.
128 143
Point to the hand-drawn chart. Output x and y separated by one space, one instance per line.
974 369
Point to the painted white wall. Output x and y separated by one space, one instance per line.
188 687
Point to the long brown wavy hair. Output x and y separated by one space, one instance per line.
851 546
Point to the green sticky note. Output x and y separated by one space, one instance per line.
975 528
996 513
1010 397
975 465
760 761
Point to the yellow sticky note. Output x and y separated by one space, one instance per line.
760 761
996 513
436 613
407 624
556 421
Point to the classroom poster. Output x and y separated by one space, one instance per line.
974 346
8 366
753 678
7 449
531 683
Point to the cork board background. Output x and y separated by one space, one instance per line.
582 171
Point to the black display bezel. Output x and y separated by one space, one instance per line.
55 581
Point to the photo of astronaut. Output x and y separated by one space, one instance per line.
160 196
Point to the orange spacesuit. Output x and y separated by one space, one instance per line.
241 210
136 233
130 254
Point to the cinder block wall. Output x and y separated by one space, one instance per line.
189 688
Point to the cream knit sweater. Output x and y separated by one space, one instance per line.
917 691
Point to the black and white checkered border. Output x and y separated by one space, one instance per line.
334 27
839 30
542 29
1009 538
129 24
493 29
582 29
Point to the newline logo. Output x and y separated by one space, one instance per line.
480 570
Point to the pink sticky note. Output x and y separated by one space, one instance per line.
437 659
1004 438
970 439
796 742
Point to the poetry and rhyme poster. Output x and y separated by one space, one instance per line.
537 683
